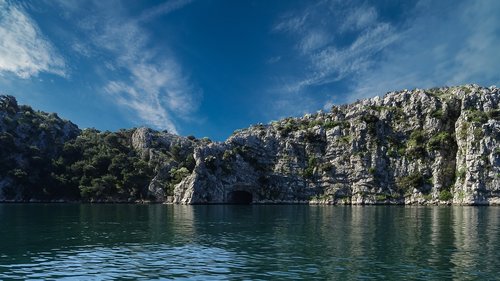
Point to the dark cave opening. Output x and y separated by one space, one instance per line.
240 197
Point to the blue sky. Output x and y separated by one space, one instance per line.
209 67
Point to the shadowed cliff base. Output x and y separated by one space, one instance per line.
240 197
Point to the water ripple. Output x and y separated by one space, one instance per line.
248 243
134 261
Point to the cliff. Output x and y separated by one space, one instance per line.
436 146
45 158
421 146
29 140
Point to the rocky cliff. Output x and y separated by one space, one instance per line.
436 146
408 147
29 140
45 158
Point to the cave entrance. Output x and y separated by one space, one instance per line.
240 197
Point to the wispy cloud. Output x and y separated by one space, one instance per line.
291 23
457 44
145 79
149 106
163 9
433 44
333 63
24 50
330 57
313 40
359 18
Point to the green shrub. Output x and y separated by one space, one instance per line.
346 139
477 116
427 197
406 184
287 128
415 147
438 113
177 175
326 166
333 124
417 136
462 133
309 170
440 140
466 89
478 133
392 152
445 195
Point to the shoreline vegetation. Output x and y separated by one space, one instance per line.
412 147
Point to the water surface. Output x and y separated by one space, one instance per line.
104 242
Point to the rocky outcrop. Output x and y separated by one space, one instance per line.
170 155
435 146
29 141
408 147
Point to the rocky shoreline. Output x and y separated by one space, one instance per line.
436 146
266 202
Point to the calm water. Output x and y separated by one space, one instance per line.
102 242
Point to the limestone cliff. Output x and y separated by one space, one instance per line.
408 147
436 146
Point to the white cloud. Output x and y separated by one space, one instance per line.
455 46
336 63
163 9
313 40
359 18
434 44
328 58
140 77
24 50
82 49
148 106
291 23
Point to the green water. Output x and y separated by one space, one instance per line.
103 242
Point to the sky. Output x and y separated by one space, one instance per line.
209 67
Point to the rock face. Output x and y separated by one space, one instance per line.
409 147
436 146
170 155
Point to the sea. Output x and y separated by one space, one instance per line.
248 242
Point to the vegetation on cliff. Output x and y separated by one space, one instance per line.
419 146
43 157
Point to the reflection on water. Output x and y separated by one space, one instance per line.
248 242
132 261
